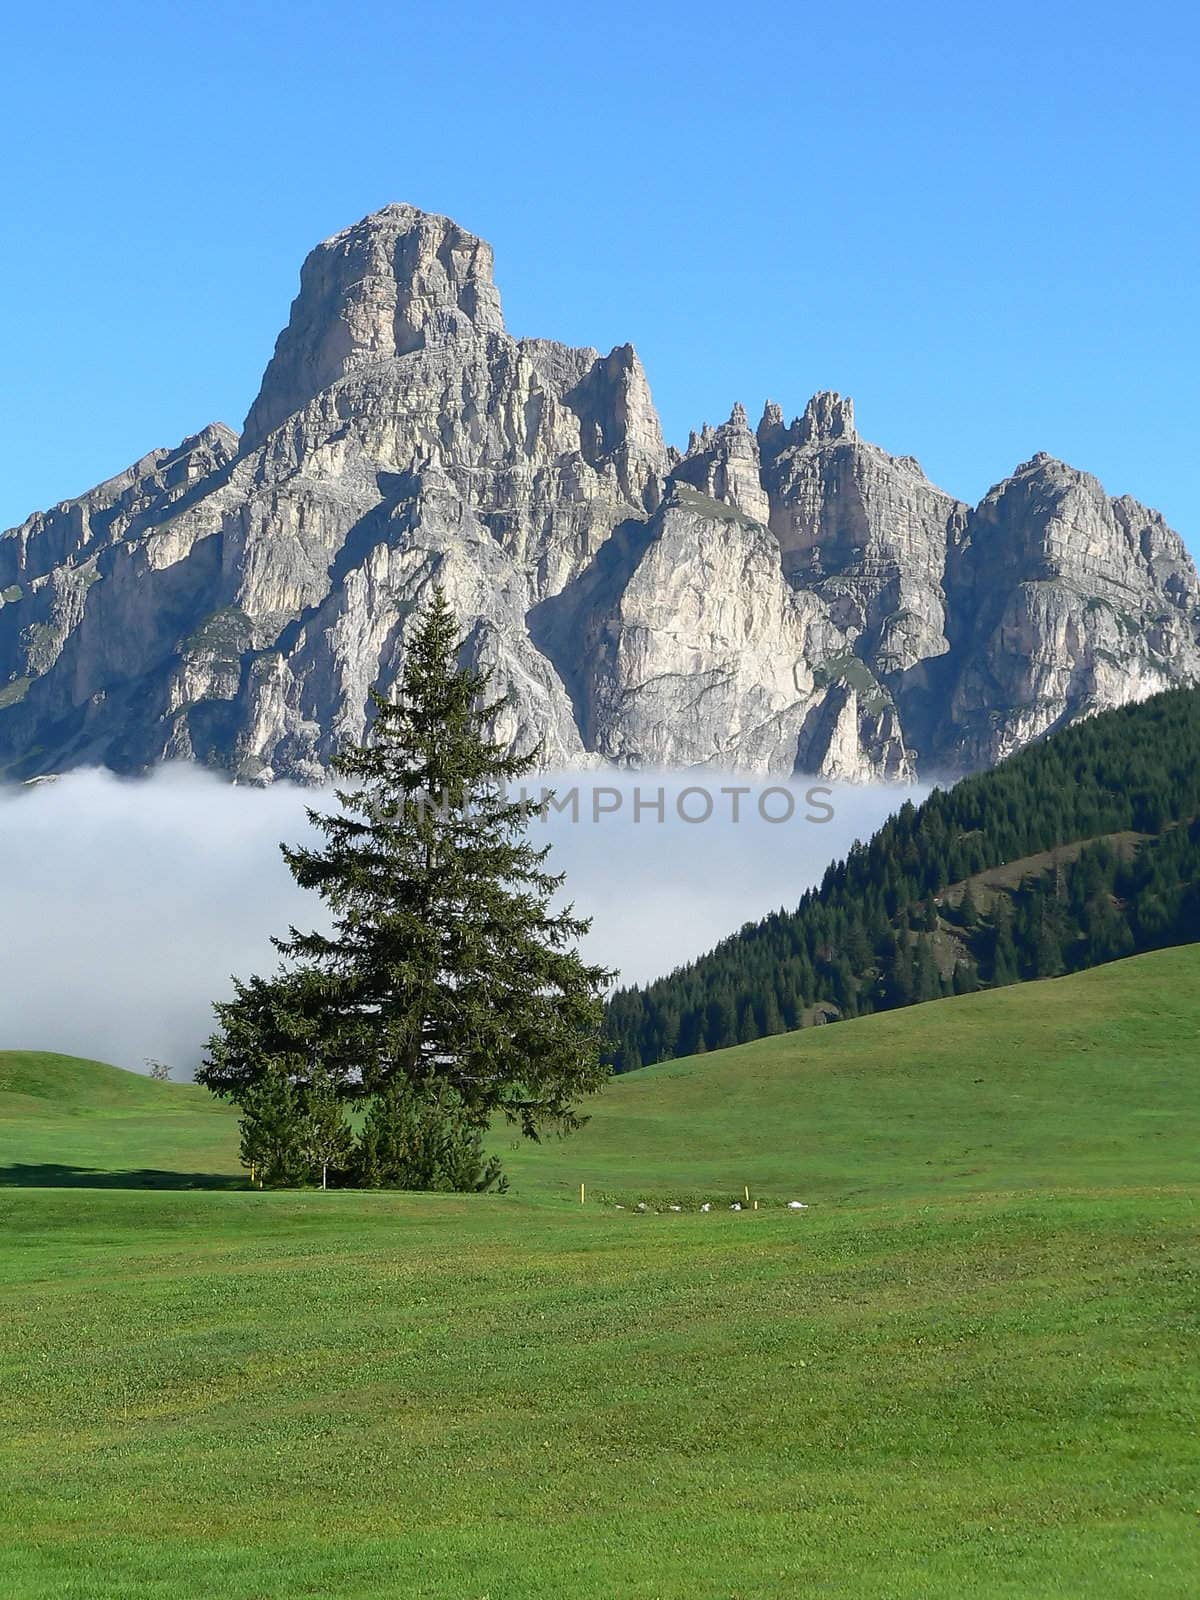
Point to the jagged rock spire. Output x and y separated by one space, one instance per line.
827 416
827 419
724 464
770 433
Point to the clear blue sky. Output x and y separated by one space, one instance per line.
981 221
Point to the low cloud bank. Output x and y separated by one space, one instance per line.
126 906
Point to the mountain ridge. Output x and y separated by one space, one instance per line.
778 598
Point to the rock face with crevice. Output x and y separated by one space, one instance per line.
785 598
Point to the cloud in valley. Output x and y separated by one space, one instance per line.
126 905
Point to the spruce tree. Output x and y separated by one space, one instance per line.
772 1021
927 979
273 1130
966 976
447 973
1047 956
897 982
1004 954
411 1143
325 1139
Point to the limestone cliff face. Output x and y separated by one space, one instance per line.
786 598
399 282
1064 602
866 531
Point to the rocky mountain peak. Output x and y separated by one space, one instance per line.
770 428
1056 521
393 283
724 463
630 414
791 598
826 417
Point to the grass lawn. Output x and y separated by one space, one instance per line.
968 1370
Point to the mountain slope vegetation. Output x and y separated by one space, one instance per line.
1078 850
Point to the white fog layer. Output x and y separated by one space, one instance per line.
126 906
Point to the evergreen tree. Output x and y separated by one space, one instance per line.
325 1139
410 1142
966 977
898 979
1004 950
927 980
447 972
845 988
273 1131
1047 958
720 1028
772 1021
272 1025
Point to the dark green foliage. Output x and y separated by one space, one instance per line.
966 977
927 982
326 1140
447 977
998 946
412 1142
293 1133
272 1025
868 939
273 1131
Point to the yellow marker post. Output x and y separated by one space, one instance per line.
747 1194
582 1193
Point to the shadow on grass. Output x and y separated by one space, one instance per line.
51 1175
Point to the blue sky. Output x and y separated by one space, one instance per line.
979 221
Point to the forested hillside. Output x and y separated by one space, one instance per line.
1078 850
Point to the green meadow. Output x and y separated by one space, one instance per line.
967 1369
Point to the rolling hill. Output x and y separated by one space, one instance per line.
966 1371
1013 1088
66 1121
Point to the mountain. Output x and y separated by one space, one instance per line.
782 598
1081 849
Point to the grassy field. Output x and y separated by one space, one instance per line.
967 1370
65 1122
